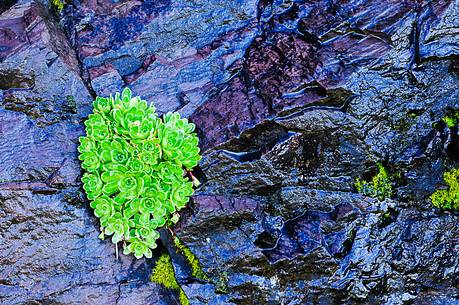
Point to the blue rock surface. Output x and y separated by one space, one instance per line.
293 100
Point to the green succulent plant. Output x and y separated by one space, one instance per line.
135 169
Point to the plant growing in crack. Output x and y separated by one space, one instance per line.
448 198
164 274
58 5
192 260
452 119
379 187
136 169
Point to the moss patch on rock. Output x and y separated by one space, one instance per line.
164 274
449 198
196 269
452 119
379 187
58 5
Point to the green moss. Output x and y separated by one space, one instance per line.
221 284
183 298
58 5
379 187
71 104
196 269
164 274
452 119
449 198
403 124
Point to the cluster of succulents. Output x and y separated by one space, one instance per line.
136 165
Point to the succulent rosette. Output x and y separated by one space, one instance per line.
178 142
135 165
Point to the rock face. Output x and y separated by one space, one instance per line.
292 100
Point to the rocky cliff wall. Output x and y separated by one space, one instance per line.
292 100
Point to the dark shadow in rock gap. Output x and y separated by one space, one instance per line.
6 5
